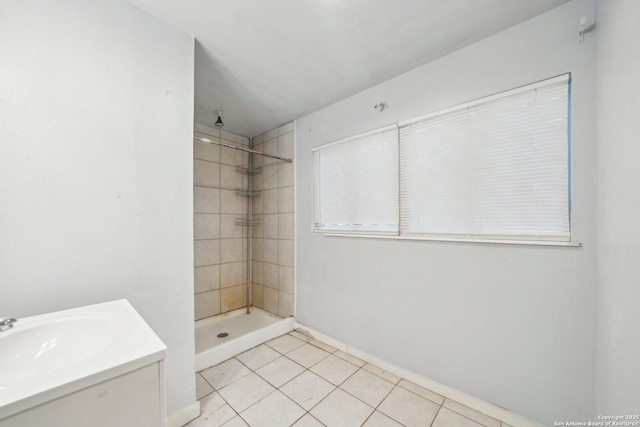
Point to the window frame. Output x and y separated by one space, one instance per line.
467 238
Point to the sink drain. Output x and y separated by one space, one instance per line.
223 335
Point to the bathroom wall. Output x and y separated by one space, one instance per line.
96 107
220 251
273 238
618 99
513 325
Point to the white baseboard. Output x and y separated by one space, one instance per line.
442 389
184 415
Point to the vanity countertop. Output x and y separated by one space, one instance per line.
51 355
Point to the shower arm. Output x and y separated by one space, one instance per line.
248 150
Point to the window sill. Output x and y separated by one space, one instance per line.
461 240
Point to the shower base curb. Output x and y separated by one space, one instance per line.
237 345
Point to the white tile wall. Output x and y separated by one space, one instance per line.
231 250
219 247
232 274
207 278
230 203
206 151
206 252
273 241
206 174
207 304
206 226
206 200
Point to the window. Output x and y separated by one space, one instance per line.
356 184
493 169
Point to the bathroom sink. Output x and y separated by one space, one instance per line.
50 355
50 346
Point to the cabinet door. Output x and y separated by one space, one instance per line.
130 400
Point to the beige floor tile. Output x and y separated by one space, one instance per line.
285 343
506 425
280 371
246 391
340 409
202 387
349 358
258 356
307 389
334 369
369 388
225 373
235 422
275 410
476 416
308 421
307 355
382 373
428 394
231 388
408 408
378 419
214 411
448 418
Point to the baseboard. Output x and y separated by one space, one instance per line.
184 415
444 390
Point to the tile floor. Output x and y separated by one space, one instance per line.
295 380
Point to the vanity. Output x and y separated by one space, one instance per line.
98 366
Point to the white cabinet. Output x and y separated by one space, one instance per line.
134 399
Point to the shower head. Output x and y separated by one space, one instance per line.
219 123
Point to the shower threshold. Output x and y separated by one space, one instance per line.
244 331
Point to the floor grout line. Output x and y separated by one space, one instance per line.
335 387
436 416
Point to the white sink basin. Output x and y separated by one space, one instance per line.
46 356
49 347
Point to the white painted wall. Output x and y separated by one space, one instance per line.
618 99
513 325
96 108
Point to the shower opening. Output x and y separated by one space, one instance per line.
243 240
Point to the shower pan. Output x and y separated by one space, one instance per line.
243 227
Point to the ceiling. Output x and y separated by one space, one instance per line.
267 62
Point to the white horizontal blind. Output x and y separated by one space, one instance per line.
494 168
356 184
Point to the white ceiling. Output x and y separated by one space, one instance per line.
267 62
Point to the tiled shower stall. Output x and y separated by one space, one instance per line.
224 186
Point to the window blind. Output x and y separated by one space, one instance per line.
356 184
497 167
